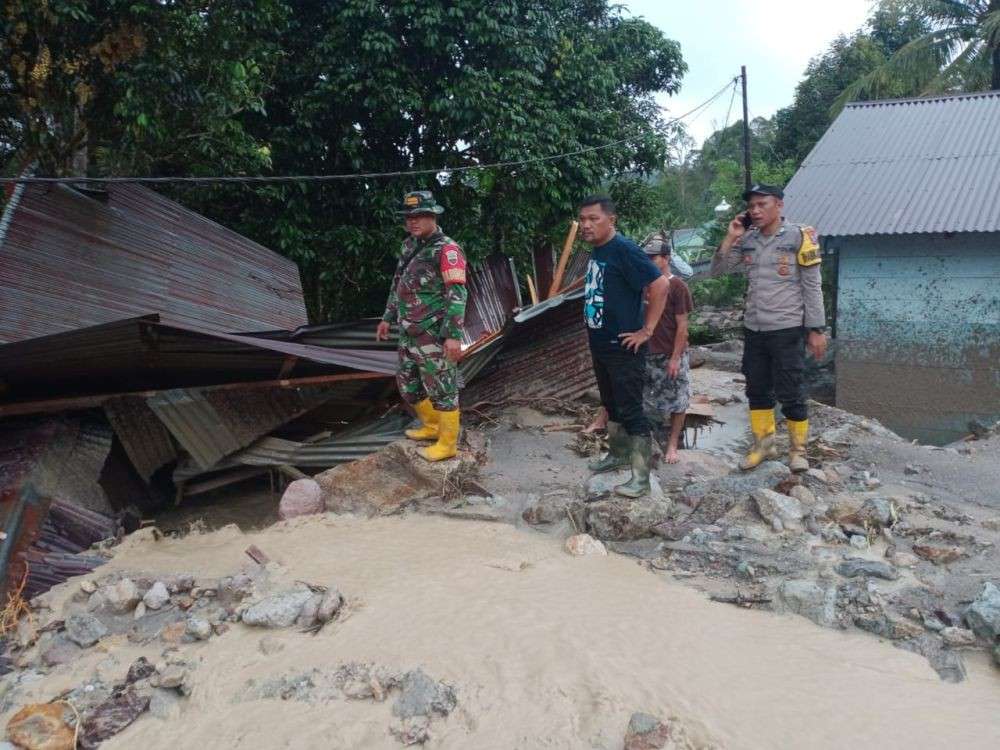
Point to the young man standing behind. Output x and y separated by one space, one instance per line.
667 391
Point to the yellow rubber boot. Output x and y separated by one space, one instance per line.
429 422
447 442
798 434
762 425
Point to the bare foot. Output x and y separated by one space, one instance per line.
599 423
672 457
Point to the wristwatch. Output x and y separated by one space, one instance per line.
817 330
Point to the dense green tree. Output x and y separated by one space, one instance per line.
386 86
130 85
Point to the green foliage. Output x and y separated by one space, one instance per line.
953 46
130 85
722 291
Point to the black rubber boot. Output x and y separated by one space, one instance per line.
617 457
642 448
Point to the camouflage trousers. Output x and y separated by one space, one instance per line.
661 394
424 371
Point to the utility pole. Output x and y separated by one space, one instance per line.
746 131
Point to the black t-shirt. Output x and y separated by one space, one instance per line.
616 275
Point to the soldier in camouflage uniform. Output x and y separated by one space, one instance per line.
427 301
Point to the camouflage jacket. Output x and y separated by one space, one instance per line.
428 292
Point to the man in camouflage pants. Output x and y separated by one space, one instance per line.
427 301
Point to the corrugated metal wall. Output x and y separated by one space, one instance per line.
69 261
919 331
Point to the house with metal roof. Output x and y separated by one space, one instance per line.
905 195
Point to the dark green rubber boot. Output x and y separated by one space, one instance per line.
642 449
617 457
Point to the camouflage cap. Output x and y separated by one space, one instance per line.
419 202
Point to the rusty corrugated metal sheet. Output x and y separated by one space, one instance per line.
904 167
547 356
69 261
143 436
210 425
493 293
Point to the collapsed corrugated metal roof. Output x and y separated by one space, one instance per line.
147 354
68 261
211 424
904 166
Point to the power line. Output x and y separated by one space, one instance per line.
261 179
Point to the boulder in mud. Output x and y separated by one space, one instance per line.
983 615
42 726
303 497
279 610
547 509
809 599
620 519
773 506
939 555
852 567
84 629
738 485
121 597
385 482
422 696
646 732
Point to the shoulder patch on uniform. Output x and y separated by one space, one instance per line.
809 247
452 264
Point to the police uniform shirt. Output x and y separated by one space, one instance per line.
784 281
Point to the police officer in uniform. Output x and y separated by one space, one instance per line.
784 316
427 301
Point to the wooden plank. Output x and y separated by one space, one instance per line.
563 259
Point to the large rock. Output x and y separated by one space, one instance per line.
983 615
878 512
60 650
547 509
157 596
84 629
620 519
42 726
384 482
646 732
853 567
278 610
303 497
773 506
421 696
810 600
121 597
768 475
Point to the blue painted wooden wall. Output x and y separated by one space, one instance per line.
918 331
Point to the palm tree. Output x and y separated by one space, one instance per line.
960 52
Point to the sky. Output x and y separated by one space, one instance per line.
775 39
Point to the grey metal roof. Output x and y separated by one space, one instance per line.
902 167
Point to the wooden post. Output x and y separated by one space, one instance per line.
531 289
563 260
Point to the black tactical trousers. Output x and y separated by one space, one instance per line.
774 365
620 375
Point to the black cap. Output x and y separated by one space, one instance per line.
759 188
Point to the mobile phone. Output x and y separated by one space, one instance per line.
746 220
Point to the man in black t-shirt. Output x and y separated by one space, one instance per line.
618 330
